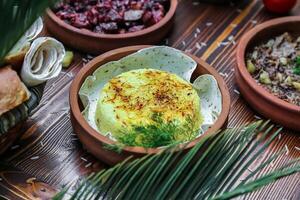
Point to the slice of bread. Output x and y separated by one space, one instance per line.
12 90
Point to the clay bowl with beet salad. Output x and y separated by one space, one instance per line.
96 26
268 70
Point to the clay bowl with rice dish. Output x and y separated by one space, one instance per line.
268 70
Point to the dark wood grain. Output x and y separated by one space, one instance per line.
51 152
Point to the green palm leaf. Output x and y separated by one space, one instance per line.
16 16
210 170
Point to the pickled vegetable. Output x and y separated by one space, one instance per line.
250 67
67 59
265 78
296 85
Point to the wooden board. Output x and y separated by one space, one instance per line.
50 152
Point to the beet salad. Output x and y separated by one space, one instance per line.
111 16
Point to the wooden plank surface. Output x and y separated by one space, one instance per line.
50 152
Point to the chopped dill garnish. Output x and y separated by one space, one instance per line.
114 147
159 133
296 69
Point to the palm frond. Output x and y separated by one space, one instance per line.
213 169
16 16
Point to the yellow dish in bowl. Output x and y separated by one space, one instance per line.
149 108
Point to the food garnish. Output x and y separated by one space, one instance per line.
111 16
296 69
264 78
68 59
146 99
275 65
250 67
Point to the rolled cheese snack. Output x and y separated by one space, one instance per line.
17 54
43 61
35 29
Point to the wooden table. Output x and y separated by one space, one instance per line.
50 152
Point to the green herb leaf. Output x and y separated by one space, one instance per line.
296 69
158 134
114 147
210 170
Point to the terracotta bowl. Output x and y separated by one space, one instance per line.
265 103
94 141
95 43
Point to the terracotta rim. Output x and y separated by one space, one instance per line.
170 13
75 108
241 64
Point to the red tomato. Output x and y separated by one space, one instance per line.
279 6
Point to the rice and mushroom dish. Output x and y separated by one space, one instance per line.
275 66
